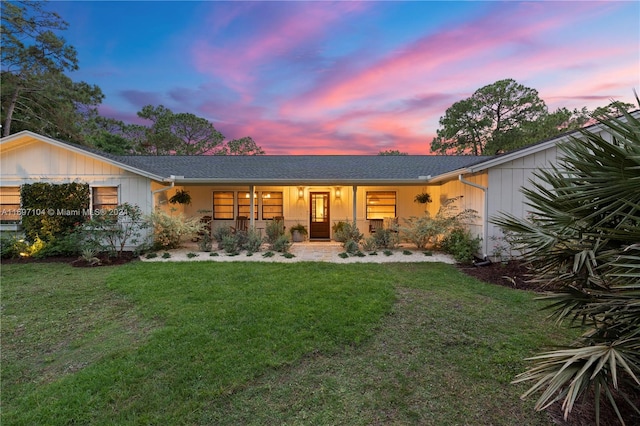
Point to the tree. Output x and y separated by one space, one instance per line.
36 95
491 120
392 152
185 134
582 245
243 146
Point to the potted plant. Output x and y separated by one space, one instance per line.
298 232
422 198
180 197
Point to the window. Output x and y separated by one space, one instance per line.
104 198
381 204
223 205
272 205
9 204
244 204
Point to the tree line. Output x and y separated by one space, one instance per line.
37 95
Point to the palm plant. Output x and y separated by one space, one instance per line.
582 243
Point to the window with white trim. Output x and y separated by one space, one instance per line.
104 198
10 204
381 204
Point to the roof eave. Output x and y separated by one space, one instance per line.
81 151
302 182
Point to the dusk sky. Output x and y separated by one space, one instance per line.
347 77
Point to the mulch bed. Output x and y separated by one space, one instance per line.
512 274
76 261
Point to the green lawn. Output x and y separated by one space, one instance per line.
265 343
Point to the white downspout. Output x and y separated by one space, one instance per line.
171 179
485 218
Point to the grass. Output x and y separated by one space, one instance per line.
238 343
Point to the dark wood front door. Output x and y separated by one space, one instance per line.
320 228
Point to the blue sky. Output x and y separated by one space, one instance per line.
347 77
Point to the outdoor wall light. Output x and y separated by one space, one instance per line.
301 193
338 193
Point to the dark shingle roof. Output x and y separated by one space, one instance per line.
301 168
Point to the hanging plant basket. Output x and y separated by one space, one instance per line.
422 198
181 197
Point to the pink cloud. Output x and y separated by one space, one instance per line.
431 58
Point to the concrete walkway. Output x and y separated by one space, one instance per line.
308 251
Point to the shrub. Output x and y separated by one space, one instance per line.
386 238
582 244
461 245
274 231
425 230
57 209
229 244
349 235
114 230
170 230
12 246
70 244
369 243
219 232
254 241
204 244
422 230
282 244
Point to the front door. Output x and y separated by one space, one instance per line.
320 228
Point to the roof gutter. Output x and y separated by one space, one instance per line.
307 182
485 230
171 179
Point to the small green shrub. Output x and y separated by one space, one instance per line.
204 243
343 255
387 252
288 255
230 243
274 230
220 232
12 246
166 255
337 230
369 243
351 246
461 245
268 254
386 238
253 241
70 244
192 255
407 252
213 254
282 244
151 255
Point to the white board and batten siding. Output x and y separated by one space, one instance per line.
30 160
506 182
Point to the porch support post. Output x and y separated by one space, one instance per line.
252 206
354 202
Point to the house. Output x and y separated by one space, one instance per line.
314 190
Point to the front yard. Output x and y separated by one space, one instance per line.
265 343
